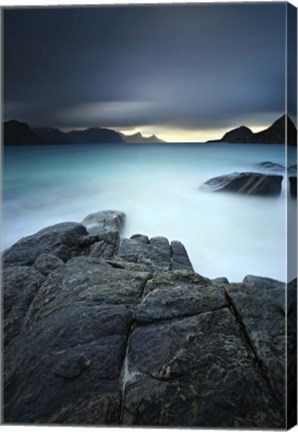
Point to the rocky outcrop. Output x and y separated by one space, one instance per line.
247 183
63 240
135 336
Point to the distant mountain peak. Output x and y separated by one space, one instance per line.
19 133
274 134
138 138
238 134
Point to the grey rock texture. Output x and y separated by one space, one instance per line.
247 183
104 222
62 240
126 333
20 286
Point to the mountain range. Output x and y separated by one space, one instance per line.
139 138
274 134
18 133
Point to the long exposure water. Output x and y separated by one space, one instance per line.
157 186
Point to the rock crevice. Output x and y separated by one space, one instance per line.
131 335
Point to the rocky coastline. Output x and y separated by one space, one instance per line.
105 330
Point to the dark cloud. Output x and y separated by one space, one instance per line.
186 66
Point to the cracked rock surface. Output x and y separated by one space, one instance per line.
102 330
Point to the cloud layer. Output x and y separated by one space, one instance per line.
186 67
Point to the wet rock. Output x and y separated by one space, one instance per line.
20 285
84 280
141 238
178 294
46 263
102 249
179 257
155 255
194 372
106 226
220 282
245 183
259 304
102 333
104 221
271 166
65 237
66 368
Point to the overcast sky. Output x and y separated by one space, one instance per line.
183 71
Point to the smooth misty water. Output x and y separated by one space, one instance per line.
157 186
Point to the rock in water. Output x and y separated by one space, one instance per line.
128 334
245 183
271 166
292 169
293 186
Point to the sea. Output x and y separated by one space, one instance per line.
158 188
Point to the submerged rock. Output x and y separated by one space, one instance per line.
245 183
271 166
129 334
292 169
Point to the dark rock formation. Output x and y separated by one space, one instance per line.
134 336
104 222
293 186
271 166
63 240
292 169
240 134
245 183
18 133
274 134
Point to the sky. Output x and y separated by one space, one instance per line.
182 72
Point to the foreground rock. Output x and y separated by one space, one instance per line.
137 337
245 183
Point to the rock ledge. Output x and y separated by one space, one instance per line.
102 330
